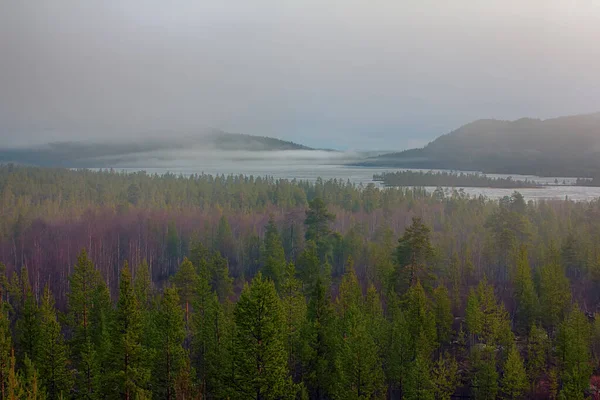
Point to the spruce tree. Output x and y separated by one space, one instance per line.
319 348
170 359
527 306
293 305
445 377
128 368
5 349
573 351
85 281
514 379
274 262
206 329
537 354
52 355
414 255
186 282
555 294
442 309
418 384
260 358
27 324
485 378
359 363
30 385
317 222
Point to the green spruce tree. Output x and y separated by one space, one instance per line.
260 362
53 353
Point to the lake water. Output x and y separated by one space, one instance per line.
310 170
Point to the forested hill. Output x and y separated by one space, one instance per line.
566 146
89 154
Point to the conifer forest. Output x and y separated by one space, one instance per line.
131 286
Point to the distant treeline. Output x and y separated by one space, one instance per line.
588 182
449 179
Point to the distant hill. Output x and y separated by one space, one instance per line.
80 154
565 146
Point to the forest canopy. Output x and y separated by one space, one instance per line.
120 285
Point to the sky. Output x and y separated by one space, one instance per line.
377 75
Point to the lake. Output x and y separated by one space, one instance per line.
312 169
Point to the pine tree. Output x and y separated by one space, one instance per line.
220 280
309 267
293 305
527 310
537 354
128 371
142 284
514 380
13 384
30 382
84 285
487 317
5 349
27 324
260 361
350 299
573 351
274 256
442 309
361 369
53 360
319 350
445 377
171 357
420 321
555 294
414 255
317 223
418 384
186 282
485 379
206 329
224 243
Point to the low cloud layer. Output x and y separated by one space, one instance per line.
343 74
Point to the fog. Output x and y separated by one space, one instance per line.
336 74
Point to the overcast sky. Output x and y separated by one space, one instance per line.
373 74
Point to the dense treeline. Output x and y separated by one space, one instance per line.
449 179
396 293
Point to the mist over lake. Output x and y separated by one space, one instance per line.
326 165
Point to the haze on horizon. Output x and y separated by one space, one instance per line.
343 74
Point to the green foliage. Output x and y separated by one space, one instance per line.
485 378
274 256
555 294
260 357
319 346
573 352
83 305
443 314
293 306
514 379
487 319
527 311
414 256
27 329
445 377
317 223
186 282
537 354
53 353
129 373
170 359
